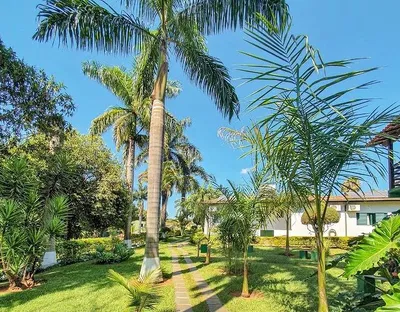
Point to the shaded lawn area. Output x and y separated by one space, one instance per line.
281 284
85 287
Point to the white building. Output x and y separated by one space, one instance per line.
357 216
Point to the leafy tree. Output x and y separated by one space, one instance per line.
30 101
179 28
316 134
130 121
92 181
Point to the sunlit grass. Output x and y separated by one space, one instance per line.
280 284
85 287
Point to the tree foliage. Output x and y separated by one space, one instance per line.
28 220
29 100
92 180
310 217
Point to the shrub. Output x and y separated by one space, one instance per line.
119 253
304 241
331 216
78 250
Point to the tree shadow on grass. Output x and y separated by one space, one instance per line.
75 276
286 281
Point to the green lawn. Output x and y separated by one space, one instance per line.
84 287
283 284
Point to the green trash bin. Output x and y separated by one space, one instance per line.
250 248
314 255
203 248
365 284
303 254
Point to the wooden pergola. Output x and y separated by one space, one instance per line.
386 138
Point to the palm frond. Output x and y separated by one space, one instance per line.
213 16
212 76
103 122
88 26
113 78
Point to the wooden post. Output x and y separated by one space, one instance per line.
390 164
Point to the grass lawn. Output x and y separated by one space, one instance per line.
280 284
84 287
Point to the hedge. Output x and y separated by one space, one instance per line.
77 250
305 241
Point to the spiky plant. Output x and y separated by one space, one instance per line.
142 292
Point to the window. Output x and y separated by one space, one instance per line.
370 218
362 219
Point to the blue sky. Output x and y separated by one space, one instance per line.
339 29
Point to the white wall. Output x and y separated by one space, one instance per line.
298 229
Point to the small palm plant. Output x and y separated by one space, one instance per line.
143 292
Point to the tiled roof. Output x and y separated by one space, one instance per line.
391 130
379 195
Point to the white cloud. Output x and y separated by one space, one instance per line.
245 170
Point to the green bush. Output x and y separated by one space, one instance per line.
84 249
303 241
119 253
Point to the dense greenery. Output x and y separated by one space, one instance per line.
30 101
29 222
92 181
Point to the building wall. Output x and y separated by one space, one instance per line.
298 229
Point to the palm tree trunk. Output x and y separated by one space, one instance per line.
151 259
140 216
323 301
245 287
164 203
129 182
287 250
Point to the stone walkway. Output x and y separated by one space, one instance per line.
182 298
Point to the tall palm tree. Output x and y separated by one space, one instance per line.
179 29
140 195
130 121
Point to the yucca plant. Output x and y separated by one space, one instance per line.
143 292
25 222
316 131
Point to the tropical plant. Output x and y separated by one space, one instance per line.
373 249
131 121
245 209
392 301
352 184
142 292
315 136
180 27
26 223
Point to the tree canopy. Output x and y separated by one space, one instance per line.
30 101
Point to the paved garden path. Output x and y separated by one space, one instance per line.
182 298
